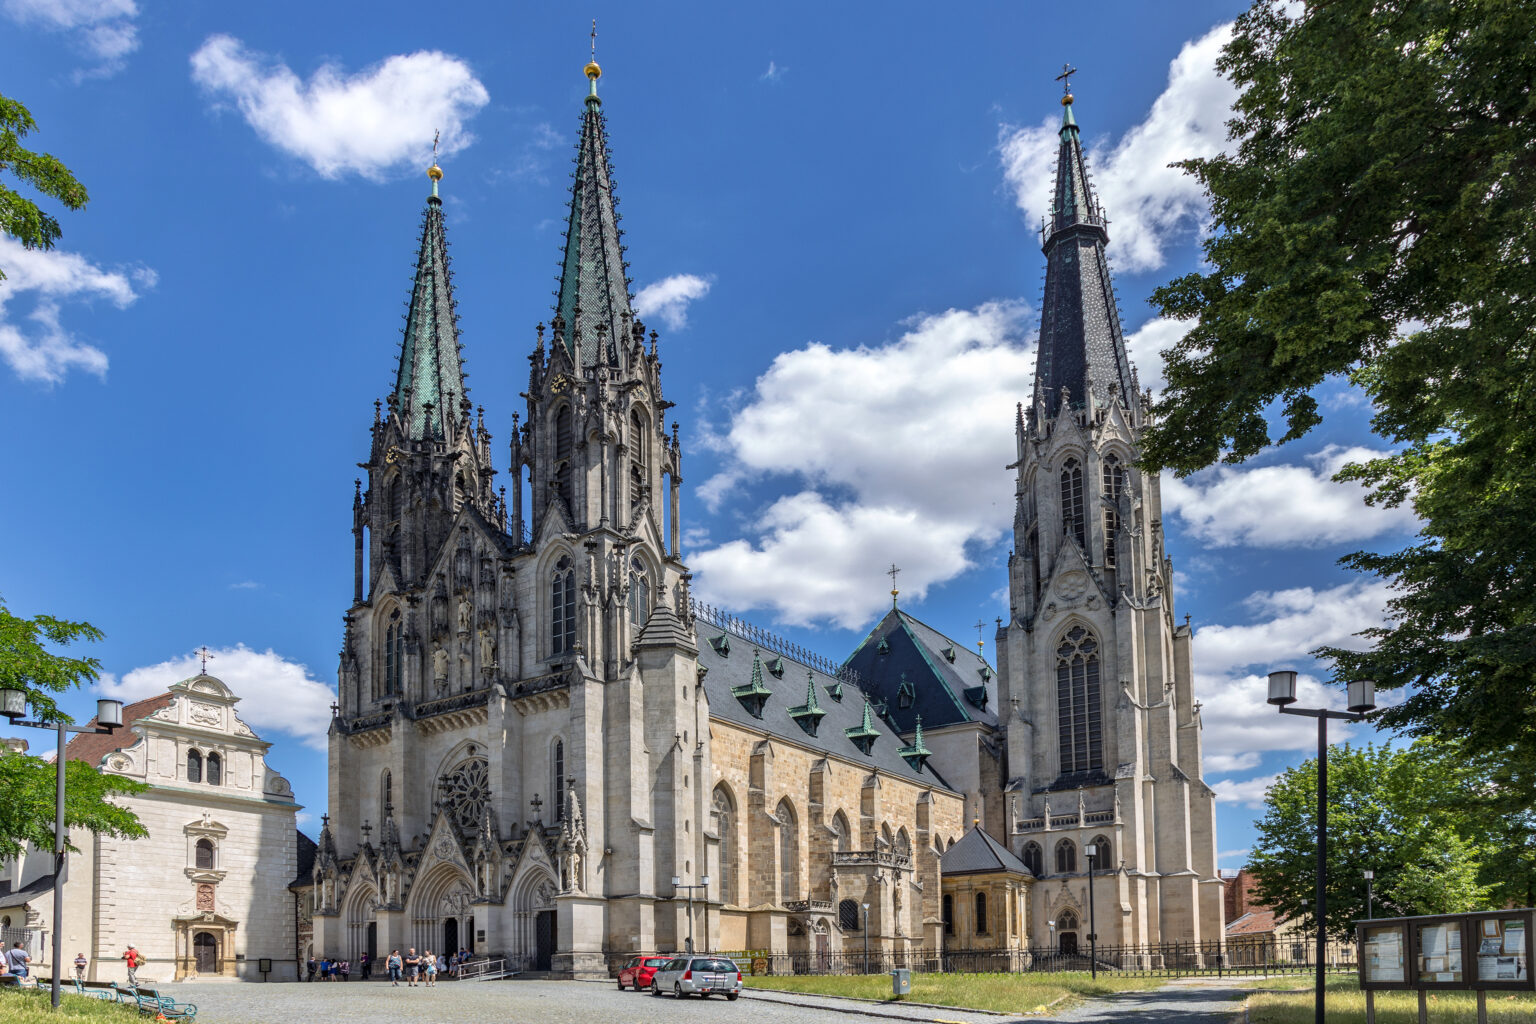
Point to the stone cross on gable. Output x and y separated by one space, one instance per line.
206 655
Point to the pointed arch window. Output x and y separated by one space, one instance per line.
1072 501
1034 859
562 606
1114 484
1103 855
214 772
395 500
789 852
194 766
1079 723
557 778
394 655
638 449
1066 857
844 832
903 843
723 815
564 444
386 795
848 915
639 593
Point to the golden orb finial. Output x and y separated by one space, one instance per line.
435 172
1066 100
593 71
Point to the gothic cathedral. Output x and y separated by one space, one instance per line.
545 749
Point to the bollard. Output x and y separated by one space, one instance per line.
901 982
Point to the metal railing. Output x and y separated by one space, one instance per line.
1166 959
483 970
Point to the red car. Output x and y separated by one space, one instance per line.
637 974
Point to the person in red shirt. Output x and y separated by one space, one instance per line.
133 958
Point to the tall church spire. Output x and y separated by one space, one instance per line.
1082 349
429 386
592 276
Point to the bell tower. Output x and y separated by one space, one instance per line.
1102 730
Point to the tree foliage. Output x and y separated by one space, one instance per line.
20 217
27 783
1437 827
27 794
1376 218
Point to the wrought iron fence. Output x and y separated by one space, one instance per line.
1166 959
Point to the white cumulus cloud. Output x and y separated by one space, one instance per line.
276 694
103 29
1148 202
1244 793
669 298
909 443
43 349
368 123
1283 506
1146 345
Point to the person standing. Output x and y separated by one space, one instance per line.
366 963
16 959
133 958
429 967
393 963
346 970
412 967
312 966
80 964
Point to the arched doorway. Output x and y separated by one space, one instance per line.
535 936
1066 927
205 951
438 901
450 936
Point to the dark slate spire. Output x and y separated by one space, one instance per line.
592 277
1081 345
430 371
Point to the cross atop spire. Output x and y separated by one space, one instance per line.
430 380
892 572
1065 78
206 655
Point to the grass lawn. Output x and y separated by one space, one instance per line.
1346 1005
32 1006
1005 993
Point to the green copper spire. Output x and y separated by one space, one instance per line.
754 695
809 715
592 276
917 753
429 385
864 734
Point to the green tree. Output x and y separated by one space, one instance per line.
27 783
1376 219
1417 817
20 217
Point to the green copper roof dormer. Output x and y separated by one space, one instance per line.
593 276
835 691
977 695
864 734
809 715
884 647
722 645
905 694
754 695
917 752
776 668
429 384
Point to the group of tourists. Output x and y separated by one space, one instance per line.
424 968
331 969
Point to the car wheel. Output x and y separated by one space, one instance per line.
621 985
655 990
677 989
732 996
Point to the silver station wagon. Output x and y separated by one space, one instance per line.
697 975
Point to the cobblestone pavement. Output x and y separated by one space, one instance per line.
566 1002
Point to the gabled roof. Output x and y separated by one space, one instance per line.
1081 342
430 371
592 274
977 853
727 665
92 747
27 893
949 683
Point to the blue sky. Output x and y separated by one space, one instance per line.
828 210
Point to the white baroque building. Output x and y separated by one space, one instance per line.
205 893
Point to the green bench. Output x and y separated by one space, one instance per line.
152 1003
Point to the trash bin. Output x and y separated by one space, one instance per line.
901 982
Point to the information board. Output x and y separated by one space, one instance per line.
1486 950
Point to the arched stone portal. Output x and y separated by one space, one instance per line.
445 893
535 935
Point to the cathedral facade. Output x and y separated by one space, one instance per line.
545 749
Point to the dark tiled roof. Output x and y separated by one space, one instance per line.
978 853
26 893
921 655
92 747
306 850
726 671
1255 922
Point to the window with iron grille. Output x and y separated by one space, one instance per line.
1078 712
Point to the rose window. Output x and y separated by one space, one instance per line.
466 791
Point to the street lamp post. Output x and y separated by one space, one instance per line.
109 717
1370 881
1362 700
1093 934
677 883
866 938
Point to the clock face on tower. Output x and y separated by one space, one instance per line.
561 383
